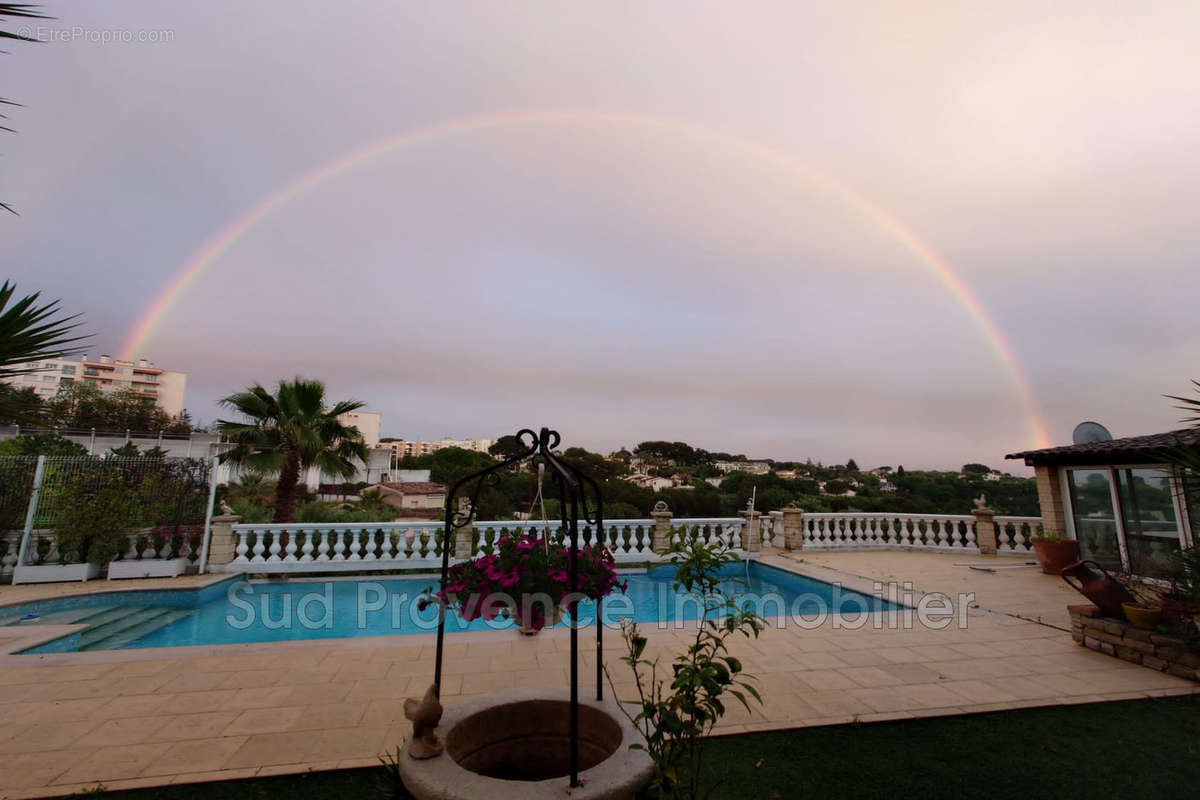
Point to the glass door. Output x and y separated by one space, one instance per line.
1094 516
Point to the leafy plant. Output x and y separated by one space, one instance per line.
676 713
1184 573
1049 535
93 521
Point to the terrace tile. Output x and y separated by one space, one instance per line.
151 717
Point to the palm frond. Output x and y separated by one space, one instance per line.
1190 404
29 332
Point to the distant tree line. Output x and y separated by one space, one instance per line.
923 492
80 406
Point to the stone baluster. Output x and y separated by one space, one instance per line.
240 551
273 550
306 550
289 551
371 544
260 545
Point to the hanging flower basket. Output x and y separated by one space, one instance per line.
527 579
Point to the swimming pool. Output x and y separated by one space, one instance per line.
238 611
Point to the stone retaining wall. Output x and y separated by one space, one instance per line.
1161 651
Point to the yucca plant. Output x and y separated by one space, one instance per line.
29 331
1185 458
290 430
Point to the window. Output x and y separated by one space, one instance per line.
67 369
1148 514
1094 518
92 372
1127 517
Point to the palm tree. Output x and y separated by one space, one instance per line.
30 331
290 430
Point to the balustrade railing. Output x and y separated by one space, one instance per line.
886 530
316 547
288 547
311 547
718 530
1015 534
142 545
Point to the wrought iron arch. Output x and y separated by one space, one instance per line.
579 499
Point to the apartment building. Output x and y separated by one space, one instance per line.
402 448
368 423
142 377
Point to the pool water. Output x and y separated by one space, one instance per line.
239 611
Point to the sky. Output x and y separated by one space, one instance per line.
921 234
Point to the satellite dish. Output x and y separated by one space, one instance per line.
1090 433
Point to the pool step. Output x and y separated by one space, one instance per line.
119 620
144 628
67 617
107 614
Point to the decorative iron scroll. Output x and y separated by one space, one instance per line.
579 498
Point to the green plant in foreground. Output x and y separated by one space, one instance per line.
1049 535
674 714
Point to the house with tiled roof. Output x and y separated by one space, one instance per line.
412 497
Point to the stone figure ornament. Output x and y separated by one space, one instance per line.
425 714
981 502
226 509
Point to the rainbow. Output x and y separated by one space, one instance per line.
153 316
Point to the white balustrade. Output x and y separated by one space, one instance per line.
726 531
1015 534
323 547
861 531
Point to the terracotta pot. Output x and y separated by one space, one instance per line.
1053 556
1140 616
1177 609
529 630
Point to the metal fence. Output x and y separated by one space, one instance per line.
159 504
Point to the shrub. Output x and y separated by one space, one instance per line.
673 717
92 522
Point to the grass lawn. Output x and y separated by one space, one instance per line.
1140 748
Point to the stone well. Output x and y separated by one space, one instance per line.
516 744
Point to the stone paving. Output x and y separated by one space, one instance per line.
134 718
